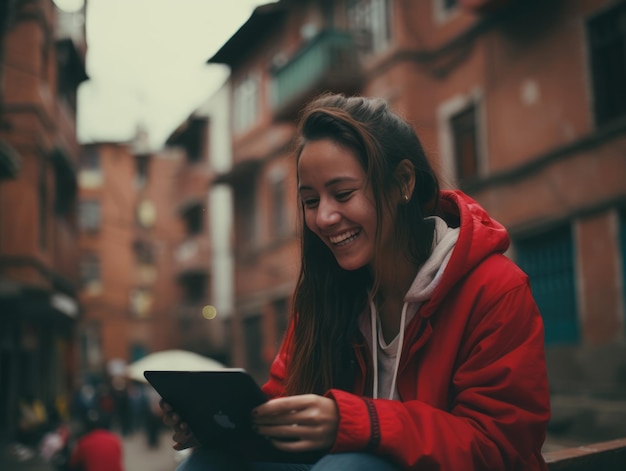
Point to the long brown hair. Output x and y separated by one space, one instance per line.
329 299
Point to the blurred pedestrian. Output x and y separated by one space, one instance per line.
54 446
153 417
137 399
98 449
83 399
123 411
105 403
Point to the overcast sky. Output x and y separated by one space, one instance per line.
146 61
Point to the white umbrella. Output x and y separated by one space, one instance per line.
171 360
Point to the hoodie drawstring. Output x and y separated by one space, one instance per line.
375 348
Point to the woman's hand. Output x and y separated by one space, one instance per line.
298 423
183 436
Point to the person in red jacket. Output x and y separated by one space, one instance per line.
414 342
98 449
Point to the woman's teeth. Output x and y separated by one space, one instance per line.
344 238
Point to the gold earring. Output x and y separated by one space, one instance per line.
406 198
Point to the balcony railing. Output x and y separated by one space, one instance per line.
193 255
329 62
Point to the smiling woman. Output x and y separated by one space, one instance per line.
414 342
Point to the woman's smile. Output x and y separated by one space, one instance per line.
344 238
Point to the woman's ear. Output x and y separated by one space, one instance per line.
405 176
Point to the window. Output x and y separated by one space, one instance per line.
90 273
142 163
194 219
89 215
246 102
548 259
146 213
64 192
90 175
144 258
140 303
464 135
194 287
461 138
195 142
145 269
607 49
369 22
144 252
90 159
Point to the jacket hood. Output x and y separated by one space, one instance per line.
479 237
429 275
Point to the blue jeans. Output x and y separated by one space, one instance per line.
212 460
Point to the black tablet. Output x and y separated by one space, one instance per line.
217 405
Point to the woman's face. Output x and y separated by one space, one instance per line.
338 203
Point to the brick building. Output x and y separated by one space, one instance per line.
155 245
128 232
41 66
520 104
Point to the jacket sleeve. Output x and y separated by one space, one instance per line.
498 401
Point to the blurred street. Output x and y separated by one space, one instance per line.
137 456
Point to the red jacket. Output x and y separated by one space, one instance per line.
98 450
472 379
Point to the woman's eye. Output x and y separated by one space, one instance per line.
310 202
343 195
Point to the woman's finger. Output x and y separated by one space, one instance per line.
171 419
182 436
289 432
166 407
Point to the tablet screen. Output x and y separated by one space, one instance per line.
217 405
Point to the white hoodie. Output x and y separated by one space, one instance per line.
386 356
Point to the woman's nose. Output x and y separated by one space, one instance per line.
327 215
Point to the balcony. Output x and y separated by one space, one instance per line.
329 62
193 256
